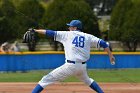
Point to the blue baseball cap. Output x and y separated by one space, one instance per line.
75 23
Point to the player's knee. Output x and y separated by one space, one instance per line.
46 80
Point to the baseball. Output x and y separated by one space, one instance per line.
113 62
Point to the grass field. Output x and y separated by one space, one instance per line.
120 75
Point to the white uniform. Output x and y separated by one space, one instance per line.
77 48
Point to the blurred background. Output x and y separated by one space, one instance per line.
115 21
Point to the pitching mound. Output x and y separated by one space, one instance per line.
74 87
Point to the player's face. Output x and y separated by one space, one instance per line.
71 28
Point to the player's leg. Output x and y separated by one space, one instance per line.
37 89
89 81
57 74
46 80
96 87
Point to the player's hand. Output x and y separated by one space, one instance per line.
112 60
30 36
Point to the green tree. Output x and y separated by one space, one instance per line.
60 12
125 23
29 14
7 16
14 21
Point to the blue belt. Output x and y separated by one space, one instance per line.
69 61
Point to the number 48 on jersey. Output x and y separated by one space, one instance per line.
79 41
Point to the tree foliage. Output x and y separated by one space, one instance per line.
7 16
29 14
17 17
125 23
60 12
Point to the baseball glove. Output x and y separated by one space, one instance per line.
30 36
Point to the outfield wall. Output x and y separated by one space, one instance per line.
49 60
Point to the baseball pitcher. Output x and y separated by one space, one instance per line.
77 51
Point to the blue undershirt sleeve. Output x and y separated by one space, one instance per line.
50 33
103 44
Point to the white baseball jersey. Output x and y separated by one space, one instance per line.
77 44
77 48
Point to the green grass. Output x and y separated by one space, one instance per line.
31 76
123 75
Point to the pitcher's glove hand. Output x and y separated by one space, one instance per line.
30 36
